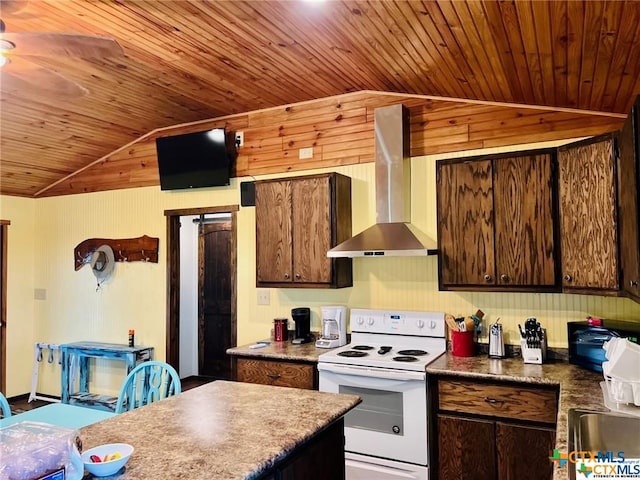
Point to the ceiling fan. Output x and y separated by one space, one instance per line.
19 53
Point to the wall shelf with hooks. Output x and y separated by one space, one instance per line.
141 249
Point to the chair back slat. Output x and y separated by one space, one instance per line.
4 407
146 383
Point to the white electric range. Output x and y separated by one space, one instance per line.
386 435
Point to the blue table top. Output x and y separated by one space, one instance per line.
104 347
60 414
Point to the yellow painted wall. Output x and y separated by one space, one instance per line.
135 297
23 245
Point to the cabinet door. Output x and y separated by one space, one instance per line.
321 459
523 205
588 216
273 231
628 204
311 230
523 452
465 223
466 449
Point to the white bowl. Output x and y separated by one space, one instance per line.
111 467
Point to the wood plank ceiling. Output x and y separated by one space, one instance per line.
186 61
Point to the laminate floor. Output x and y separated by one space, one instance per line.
21 404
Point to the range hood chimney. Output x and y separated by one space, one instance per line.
392 235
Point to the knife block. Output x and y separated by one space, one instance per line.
534 355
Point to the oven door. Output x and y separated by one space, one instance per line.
391 420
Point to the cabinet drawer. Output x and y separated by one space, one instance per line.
498 400
275 373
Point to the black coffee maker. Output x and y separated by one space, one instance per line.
302 317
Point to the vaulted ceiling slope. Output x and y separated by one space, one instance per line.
185 61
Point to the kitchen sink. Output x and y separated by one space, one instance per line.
588 430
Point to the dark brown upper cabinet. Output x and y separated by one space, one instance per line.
628 156
588 216
297 221
496 219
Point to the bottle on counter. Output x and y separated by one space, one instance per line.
131 337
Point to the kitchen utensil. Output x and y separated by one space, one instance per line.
108 467
451 322
533 342
334 327
302 317
496 340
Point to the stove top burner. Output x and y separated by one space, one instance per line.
412 353
405 358
362 347
352 353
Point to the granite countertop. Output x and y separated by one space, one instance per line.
306 352
221 430
579 388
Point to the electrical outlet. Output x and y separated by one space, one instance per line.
239 139
264 297
305 153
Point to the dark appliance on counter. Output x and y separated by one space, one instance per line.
586 340
302 317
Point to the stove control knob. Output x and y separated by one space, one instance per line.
371 321
420 323
432 324
360 320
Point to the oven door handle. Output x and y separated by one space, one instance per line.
381 373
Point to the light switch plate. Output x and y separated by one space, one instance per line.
264 297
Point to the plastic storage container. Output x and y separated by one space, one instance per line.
31 450
622 370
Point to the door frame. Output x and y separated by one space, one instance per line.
173 275
4 230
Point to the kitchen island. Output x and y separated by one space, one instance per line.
231 430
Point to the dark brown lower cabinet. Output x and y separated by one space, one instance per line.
466 448
322 458
523 452
478 449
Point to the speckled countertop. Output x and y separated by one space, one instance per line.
306 352
579 388
218 431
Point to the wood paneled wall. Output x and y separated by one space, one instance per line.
340 131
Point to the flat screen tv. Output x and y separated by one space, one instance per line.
193 160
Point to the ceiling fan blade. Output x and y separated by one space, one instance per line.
11 7
46 44
26 78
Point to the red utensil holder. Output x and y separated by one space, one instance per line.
463 344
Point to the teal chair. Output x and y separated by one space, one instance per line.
148 382
4 407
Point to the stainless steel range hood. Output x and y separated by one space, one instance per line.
392 235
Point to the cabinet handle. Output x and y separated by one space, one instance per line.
633 283
504 278
286 275
568 278
487 278
492 400
298 276
273 376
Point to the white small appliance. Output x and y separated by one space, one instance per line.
334 327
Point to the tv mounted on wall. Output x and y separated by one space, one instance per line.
193 160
